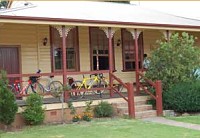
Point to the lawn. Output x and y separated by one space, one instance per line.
187 119
106 128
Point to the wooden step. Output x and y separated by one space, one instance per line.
144 114
143 110
139 100
138 108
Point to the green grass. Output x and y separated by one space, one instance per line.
187 119
107 128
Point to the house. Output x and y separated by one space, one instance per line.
70 38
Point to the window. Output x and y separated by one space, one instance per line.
72 56
99 49
128 50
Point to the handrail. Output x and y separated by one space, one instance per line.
158 88
130 99
119 80
147 80
55 73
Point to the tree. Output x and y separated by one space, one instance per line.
34 113
3 4
174 61
8 105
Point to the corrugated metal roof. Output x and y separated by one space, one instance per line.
97 11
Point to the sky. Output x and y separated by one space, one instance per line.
190 9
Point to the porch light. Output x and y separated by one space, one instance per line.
45 40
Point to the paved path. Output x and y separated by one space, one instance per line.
165 121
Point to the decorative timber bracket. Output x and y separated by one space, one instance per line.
106 31
59 28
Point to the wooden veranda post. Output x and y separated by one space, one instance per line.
63 32
64 57
136 61
135 34
159 105
110 49
131 103
109 33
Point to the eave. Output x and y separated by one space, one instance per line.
81 22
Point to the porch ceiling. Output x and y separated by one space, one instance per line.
82 13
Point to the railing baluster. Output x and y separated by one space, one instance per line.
131 104
159 106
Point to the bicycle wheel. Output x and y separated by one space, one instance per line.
76 85
35 88
56 88
12 89
99 84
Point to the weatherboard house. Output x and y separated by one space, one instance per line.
71 38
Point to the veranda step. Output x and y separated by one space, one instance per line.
138 108
139 100
144 114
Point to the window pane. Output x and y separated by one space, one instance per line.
58 58
129 50
71 50
130 65
99 46
71 56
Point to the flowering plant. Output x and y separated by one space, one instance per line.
76 118
87 116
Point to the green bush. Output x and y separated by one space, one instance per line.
87 114
34 114
174 61
103 109
183 97
8 105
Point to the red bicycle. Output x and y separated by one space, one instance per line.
32 86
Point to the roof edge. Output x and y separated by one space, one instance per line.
41 19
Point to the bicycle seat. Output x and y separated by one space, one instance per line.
101 75
33 79
70 80
51 76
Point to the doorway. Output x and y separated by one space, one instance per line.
9 61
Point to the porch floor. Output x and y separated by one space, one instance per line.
52 100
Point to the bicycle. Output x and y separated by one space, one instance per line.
98 81
34 86
31 86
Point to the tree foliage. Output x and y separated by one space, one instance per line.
3 3
34 113
8 105
174 61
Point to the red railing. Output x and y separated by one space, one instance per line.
157 85
130 99
128 86
20 76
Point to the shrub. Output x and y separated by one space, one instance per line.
103 109
173 61
8 105
34 113
76 117
87 114
183 97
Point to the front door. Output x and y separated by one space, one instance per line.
9 60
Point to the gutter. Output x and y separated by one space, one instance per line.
83 22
